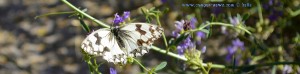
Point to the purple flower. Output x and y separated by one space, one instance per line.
126 14
118 19
179 25
186 44
275 14
193 23
175 34
203 50
217 10
236 20
200 35
287 69
112 70
163 1
272 8
236 44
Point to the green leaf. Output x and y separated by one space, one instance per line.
84 26
161 66
181 38
207 32
245 16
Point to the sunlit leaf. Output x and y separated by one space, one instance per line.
161 66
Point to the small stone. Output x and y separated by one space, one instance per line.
3 60
31 47
52 38
3 3
72 68
35 59
22 62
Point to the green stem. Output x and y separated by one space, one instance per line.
140 64
163 34
293 13
259 11
203 69
86 15
183 58
219 23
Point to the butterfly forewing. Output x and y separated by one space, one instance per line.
142 35
102 43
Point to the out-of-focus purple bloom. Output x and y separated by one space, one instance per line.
236 20
179 25
193 23
275 14
175 34
199 36
271 7
163 1
186 44
203 50
217 10
287 69
236 44
118 19
112 71
126 14
231 49
271 2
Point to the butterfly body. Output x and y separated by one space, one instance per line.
118 43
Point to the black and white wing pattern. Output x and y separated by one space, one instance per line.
138 37
103 43
116 44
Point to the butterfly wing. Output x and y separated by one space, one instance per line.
102 43
138 37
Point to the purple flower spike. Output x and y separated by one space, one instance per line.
179 25
201 34
193 23
126 14
186 44
238 43
234 21
180 50
113 71
175 34
118 19
231 49
203 50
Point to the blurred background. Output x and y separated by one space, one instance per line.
51 45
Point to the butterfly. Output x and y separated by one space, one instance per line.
117 43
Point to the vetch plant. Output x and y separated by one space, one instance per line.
121 42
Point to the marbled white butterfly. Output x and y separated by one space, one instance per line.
117 43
